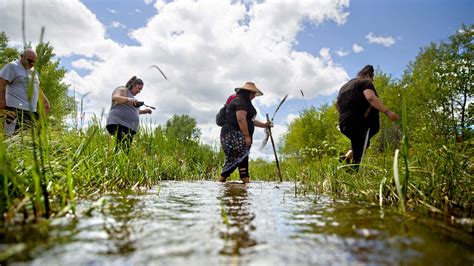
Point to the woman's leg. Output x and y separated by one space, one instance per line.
123 137
244 170
357 142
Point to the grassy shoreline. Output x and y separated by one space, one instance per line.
46 178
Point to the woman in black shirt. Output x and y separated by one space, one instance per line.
237 132
359 108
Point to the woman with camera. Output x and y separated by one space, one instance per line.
123 119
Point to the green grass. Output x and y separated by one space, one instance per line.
46 171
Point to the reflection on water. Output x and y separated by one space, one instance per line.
238 216
117 224
210 223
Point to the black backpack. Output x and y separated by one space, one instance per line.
220 117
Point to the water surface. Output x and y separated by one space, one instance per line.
209 223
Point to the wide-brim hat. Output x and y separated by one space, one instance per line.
250 86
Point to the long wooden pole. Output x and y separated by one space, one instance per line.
274 150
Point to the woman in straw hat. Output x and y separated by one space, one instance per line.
237 132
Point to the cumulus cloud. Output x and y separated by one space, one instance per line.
357 48
73 29
291 117
340 52
83 64
385 41
206 48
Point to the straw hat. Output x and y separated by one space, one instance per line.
250 86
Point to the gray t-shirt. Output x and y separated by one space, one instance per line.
17 89
124 114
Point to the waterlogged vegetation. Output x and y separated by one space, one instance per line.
423 162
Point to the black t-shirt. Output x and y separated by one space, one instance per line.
231 118
354 112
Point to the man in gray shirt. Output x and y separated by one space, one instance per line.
15 78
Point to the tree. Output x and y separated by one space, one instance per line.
182 128
438 87
6 54
314 133
51 75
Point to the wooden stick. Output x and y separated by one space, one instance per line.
274 150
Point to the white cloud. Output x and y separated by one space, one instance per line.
206 48
116 24
138 10
73 29
385 41
83 64
112 11
148 2
341 52
291 117
357 48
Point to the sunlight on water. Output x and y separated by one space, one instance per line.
209 223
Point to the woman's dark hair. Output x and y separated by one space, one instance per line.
368 70
133 81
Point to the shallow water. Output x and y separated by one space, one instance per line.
209 223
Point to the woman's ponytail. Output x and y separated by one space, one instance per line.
130 82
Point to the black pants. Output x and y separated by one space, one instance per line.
24 119
357 138
123 136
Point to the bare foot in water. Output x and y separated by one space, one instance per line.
245 180
222 179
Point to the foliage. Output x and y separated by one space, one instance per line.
314 133
82 164
6 54
439 84
436 171
183 128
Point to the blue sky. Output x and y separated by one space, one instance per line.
207 48
412 23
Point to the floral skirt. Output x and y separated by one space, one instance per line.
235 150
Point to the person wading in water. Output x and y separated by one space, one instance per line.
359 107
237 132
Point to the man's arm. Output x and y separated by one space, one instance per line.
3 88
47 107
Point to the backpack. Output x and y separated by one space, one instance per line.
220 117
